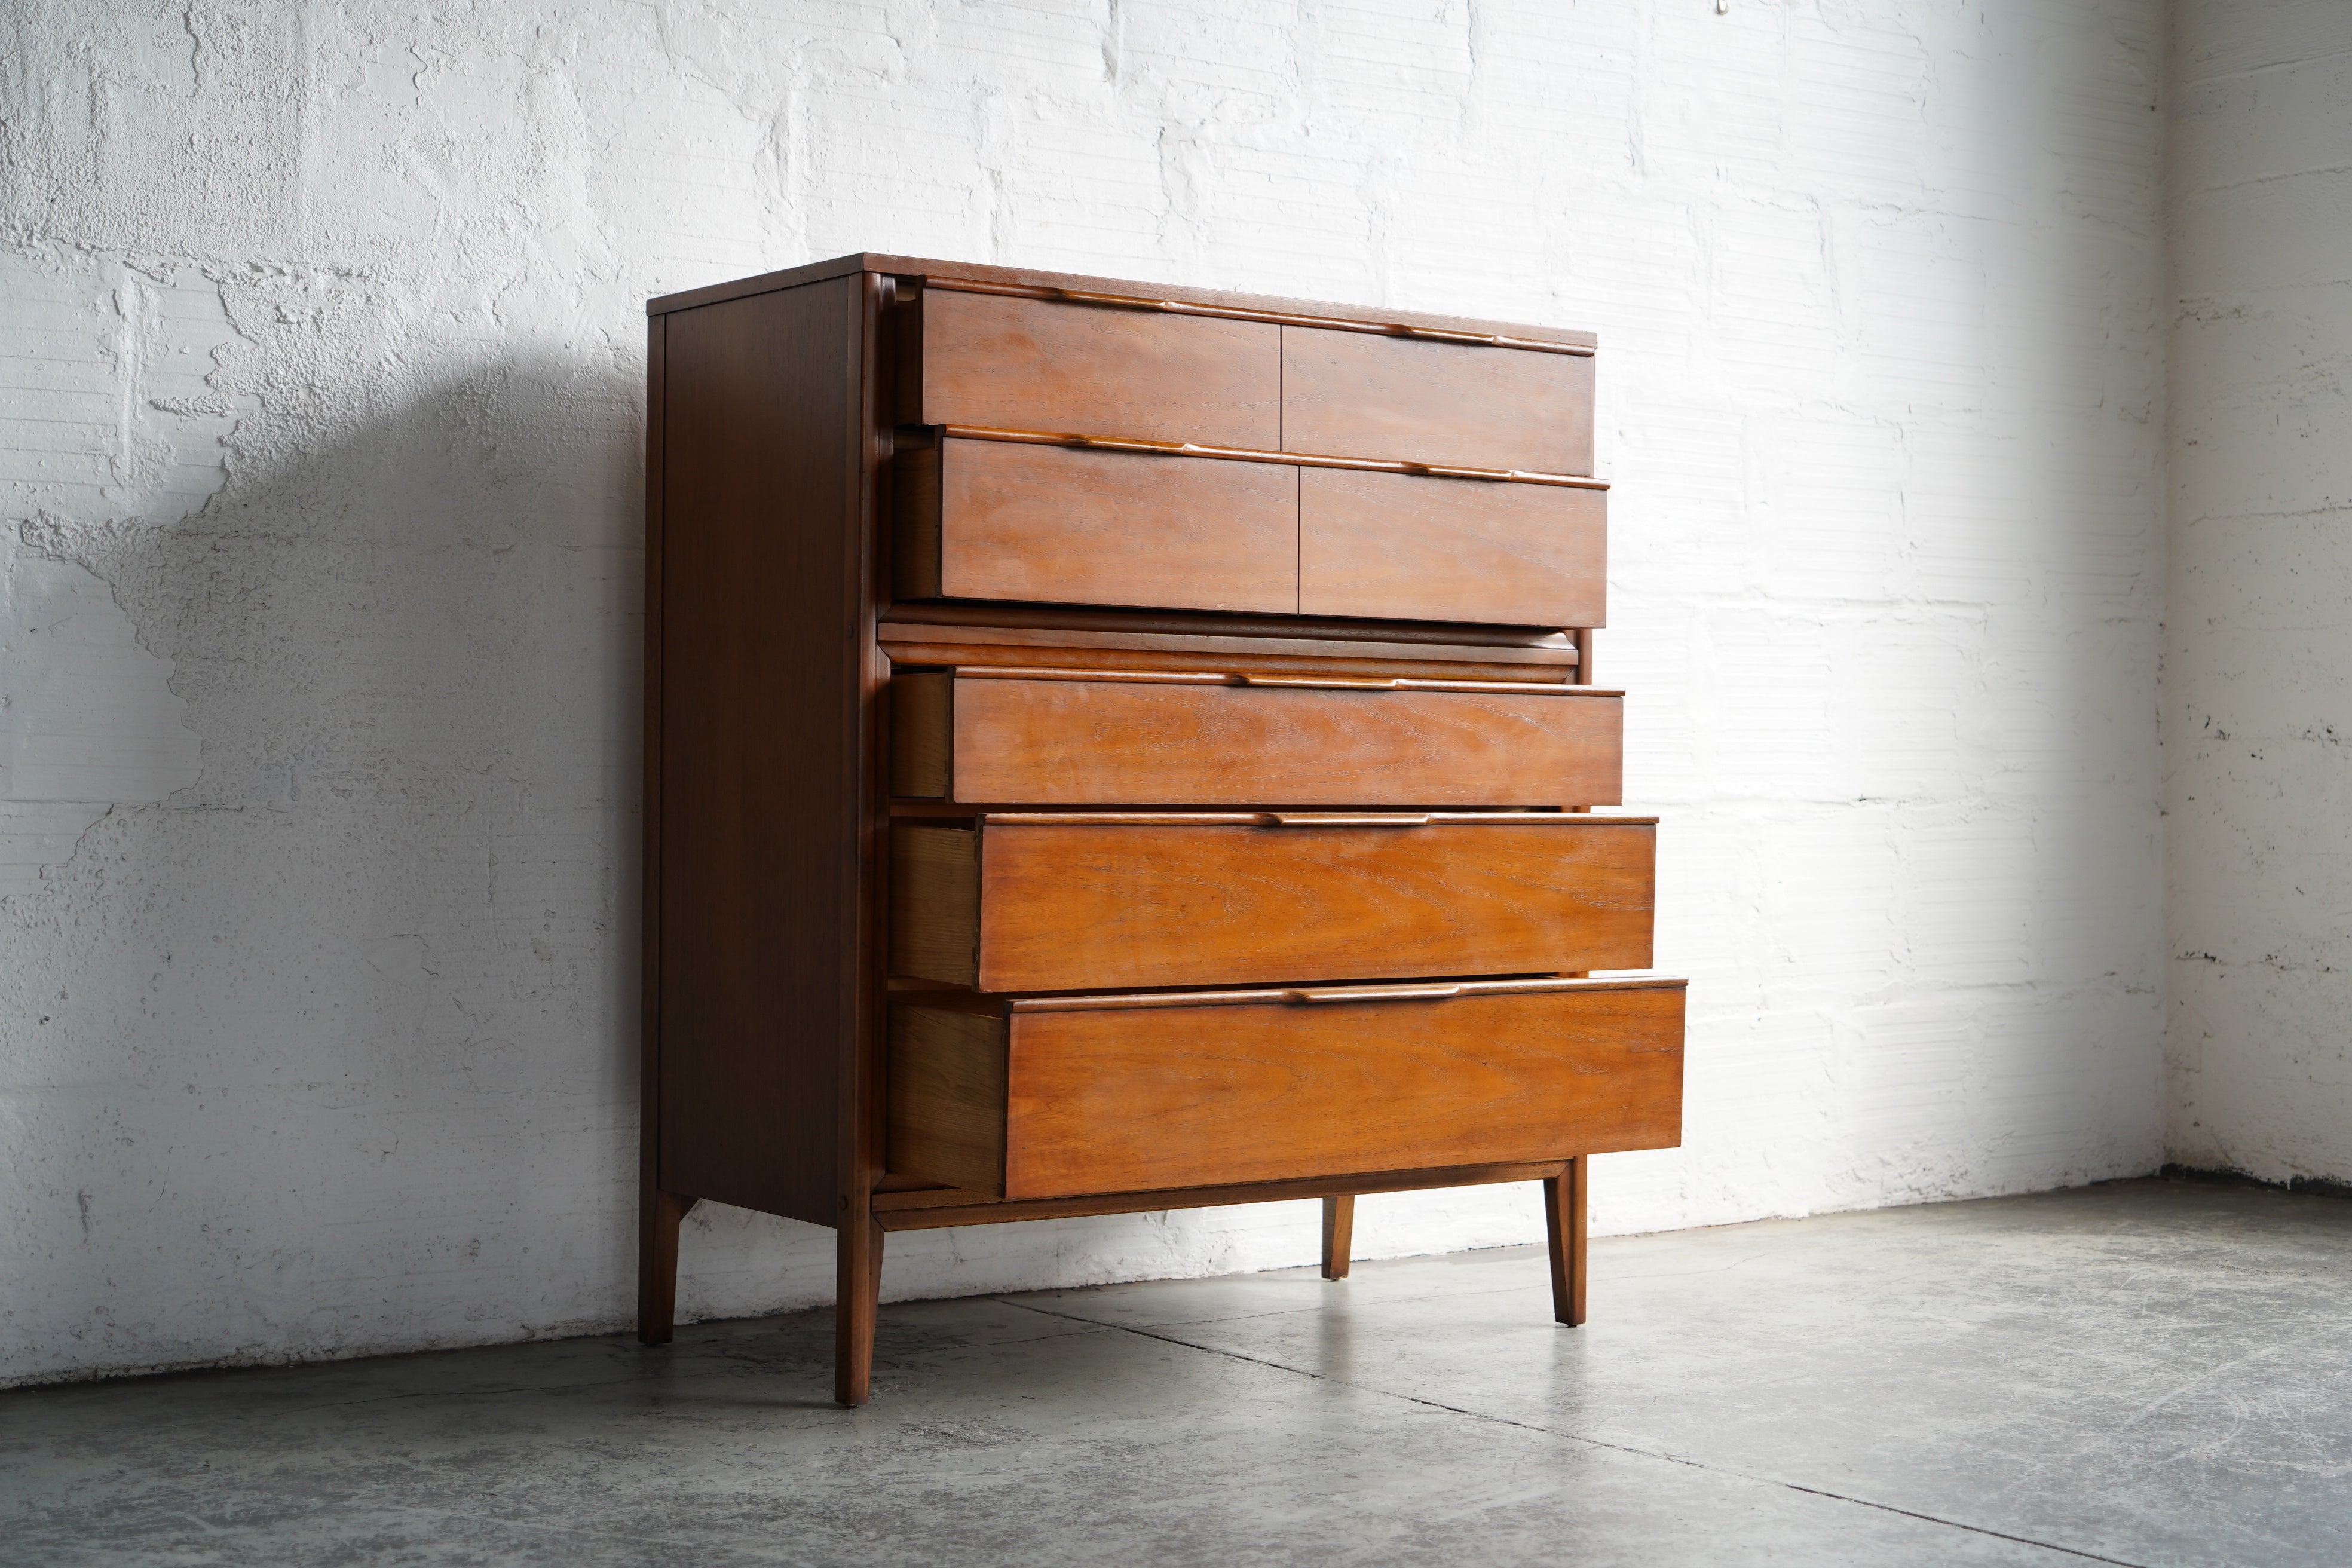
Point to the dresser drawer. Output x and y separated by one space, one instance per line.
1360 394
1038 737
1004 520
1007 363
1053 1097
1071 901
1414 548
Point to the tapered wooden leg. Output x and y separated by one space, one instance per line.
1564 1228
1339 1236
659 1214
858 1286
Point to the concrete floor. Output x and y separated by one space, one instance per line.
2143 1372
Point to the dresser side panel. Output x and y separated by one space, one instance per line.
759 759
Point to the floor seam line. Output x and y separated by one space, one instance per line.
1598 1442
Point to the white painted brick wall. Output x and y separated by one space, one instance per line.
327 1048
2258 674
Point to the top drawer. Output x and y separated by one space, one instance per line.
1238 377
1008 362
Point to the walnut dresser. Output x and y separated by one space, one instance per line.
1114 747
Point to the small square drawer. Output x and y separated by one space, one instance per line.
1012 363
1411 547
1055 1097
1079 737
1004 519
1079 900
1363 395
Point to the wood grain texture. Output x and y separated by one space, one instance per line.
1435 639
915 634
991 520
659 1211
1033 364
930 1207
863 854
916 269
1110 1097
1451 549
857 1298
935 903
760 768
659 1221
1112 741
946 1097
1565 1204
1059 907
1168 633
921 731
1349 395
1059 653
1339 1235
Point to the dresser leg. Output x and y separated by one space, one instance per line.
1564 1229
659 1214
858 1292
1339 1236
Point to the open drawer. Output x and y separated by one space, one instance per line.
1079 900
1051 1097
1034 737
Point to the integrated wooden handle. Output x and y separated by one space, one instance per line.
1335 819
1320 682
1255 313
1377 993
1254 455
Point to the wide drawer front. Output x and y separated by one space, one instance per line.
1057 1097
1043 902
1106 737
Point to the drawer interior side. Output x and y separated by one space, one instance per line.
947 1071
935 903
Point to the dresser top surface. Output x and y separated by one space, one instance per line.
1027 277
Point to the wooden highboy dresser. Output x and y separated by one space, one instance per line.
1114 747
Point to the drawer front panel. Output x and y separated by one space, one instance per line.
1126 1098
1011 363
1174 743
1000 520
1357 395
1451 549
1042 905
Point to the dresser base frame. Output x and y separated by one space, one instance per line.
858 1289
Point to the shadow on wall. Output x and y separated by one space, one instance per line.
334 1049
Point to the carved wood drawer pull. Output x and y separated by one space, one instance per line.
1253 455
1251 313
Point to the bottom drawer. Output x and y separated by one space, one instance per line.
1055 1097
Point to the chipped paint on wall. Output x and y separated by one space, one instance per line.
2258 658
106 371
